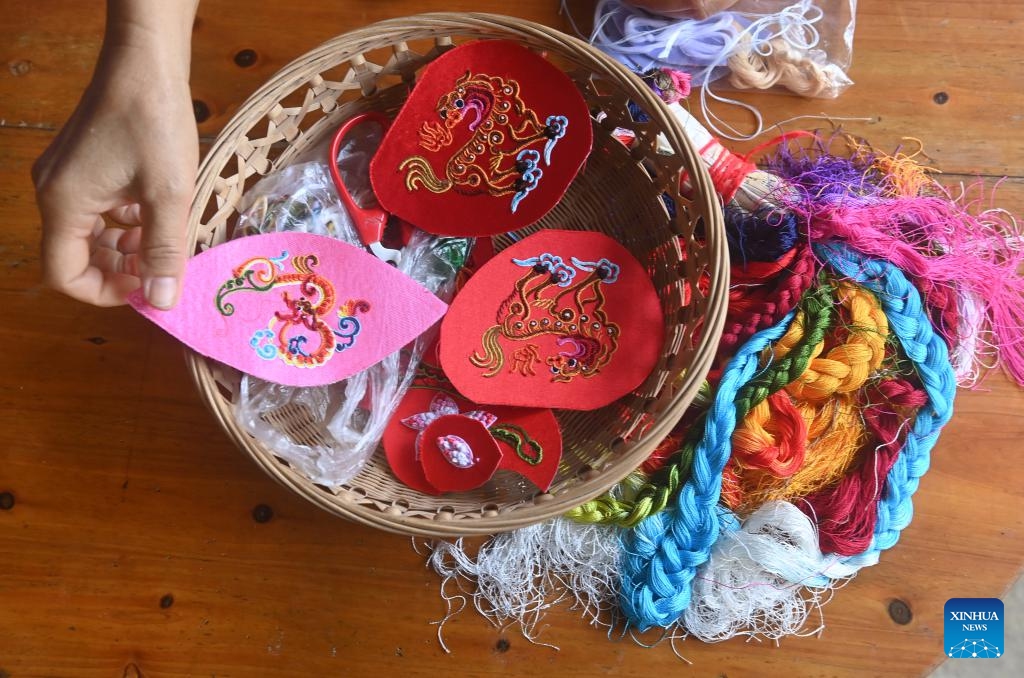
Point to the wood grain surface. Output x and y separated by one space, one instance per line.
135 540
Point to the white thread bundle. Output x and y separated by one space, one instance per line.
516 576
763 579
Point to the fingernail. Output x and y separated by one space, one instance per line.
161 292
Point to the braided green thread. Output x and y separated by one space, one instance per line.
818 312
652 497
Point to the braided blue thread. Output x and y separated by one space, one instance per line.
662 553
909 320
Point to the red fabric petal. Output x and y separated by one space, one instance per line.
440 472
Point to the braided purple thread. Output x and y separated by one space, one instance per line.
662 553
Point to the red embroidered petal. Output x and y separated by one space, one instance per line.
560 319
488 141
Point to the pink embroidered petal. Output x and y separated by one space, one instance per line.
418 422
443 404
485 418
295 308
456 450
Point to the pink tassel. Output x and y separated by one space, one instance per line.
937 240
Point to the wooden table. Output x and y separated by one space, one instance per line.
128 544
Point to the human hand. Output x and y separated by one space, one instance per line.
129 152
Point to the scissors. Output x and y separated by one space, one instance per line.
370 221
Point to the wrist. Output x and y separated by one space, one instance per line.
153 34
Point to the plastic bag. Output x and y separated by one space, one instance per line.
805 46
328 433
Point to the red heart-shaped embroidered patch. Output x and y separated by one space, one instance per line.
562 319
488 141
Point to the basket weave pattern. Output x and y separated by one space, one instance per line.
619 192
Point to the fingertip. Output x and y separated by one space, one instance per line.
161 291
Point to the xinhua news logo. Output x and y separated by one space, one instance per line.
973 628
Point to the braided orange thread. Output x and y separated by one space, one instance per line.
769 447
772 437
827 458
759 441
846 367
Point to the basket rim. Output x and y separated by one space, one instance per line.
442 25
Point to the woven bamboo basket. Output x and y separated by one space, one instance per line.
619 192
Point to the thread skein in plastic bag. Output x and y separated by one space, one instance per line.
804 46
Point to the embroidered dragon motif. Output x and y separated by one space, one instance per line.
299 334
501 157
546 301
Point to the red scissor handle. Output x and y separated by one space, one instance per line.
369 221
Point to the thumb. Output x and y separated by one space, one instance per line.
162 253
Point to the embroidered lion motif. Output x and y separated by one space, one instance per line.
547 300
503 155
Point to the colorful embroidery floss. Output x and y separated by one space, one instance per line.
661 554
846 513
965 258
909 321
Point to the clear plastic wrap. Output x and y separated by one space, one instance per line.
804 46
328 433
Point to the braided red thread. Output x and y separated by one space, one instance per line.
757 308
846 513
752 272
941 301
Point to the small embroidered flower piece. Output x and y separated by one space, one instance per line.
485 418
440 406
525 441
457 451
